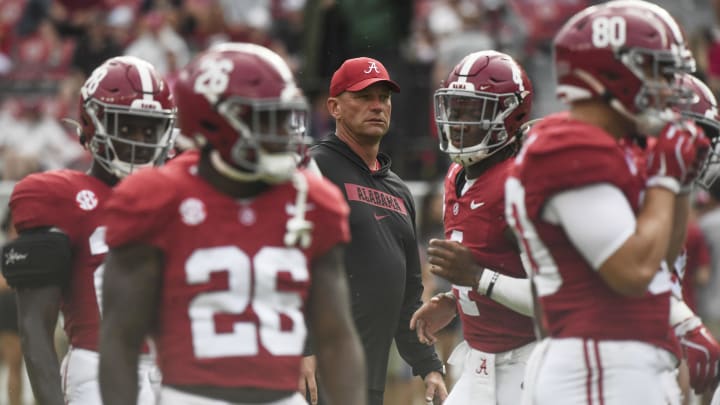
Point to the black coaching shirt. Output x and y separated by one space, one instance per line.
382 260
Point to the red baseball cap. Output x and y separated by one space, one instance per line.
359 73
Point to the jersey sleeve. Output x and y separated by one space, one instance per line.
598 219
330 217
138 209
37 201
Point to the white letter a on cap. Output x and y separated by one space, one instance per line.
372 67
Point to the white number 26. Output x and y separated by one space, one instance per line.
247 289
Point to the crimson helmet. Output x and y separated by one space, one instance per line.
627 52
704 111
486 98
241 99
123 98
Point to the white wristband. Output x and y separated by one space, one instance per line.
682 318
511 292
667 182
487 282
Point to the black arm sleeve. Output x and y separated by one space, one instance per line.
37 258
422 358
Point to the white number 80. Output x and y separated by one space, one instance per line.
609 31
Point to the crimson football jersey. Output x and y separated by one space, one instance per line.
233 295
563 154
70 201
477 220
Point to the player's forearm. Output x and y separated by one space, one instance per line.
118 372
654 227
343 371
511 292
44 372
681 215
37 316
631 268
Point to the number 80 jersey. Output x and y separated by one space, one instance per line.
233 295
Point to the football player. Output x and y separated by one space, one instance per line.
127 114
700 349
596 216
480 112
233 251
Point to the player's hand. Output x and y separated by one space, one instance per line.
453 262
433 316
677 157
702 353
307 382
435 390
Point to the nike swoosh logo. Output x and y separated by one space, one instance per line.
474 205
379 217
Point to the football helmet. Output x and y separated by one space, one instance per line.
482 106
127 115
627 52
703 109
242 100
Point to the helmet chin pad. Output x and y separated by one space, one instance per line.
273 168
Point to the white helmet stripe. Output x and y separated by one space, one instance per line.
470 60
144 69
146 81
517 75
669 21
468 63
659 12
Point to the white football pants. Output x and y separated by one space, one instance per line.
79 372
716 397
575 371
488 378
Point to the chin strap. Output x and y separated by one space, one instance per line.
77 127
298 228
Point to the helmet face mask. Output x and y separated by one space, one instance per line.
472 124
125 141
268 128
128 116
658 73
482 106
702 108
